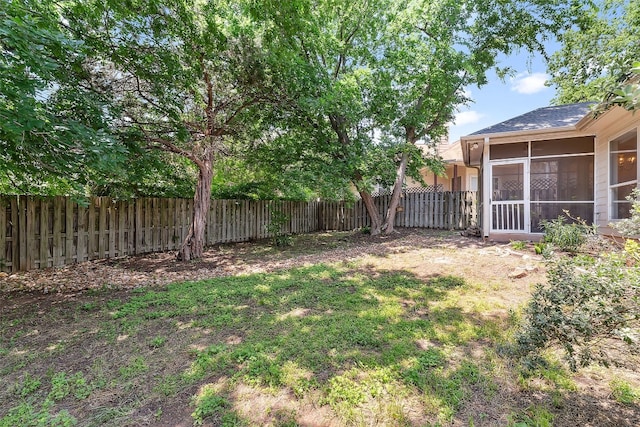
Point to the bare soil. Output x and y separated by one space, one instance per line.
255 257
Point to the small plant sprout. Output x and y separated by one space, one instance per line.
518 245
157 342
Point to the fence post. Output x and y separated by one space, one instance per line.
3 234
112 217
57 231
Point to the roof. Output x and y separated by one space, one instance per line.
556 116
451 153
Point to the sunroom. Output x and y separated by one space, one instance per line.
554 161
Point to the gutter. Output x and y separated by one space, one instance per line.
526 132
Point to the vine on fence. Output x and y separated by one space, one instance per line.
276 229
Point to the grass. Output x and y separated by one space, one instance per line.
356 343
623 392
518 245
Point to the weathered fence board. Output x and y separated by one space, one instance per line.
4 227
45 232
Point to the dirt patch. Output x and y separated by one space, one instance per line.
255 257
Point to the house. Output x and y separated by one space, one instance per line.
457 176
535 166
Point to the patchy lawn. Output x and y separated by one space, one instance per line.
339 329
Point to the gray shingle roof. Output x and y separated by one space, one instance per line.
543 118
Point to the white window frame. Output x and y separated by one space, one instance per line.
610 186
470 183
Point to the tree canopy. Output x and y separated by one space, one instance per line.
598 52
309 95
626 93
380 73
55 132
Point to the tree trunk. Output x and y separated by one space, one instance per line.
372 210
338 125
370 205
390 218
193 245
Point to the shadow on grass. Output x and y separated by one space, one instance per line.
294 347
336 332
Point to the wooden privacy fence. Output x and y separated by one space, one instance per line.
47 232
448 210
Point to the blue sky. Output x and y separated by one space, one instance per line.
501 100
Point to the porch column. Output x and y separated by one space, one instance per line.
486 190
454 181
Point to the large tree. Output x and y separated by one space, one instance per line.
385 71
437 48
598 52
54 132
332 44
186 76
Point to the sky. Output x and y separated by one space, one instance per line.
501 100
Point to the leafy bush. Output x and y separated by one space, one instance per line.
567 237
630 226
590 308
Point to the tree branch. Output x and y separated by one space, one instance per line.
167 145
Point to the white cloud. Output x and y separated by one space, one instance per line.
467 118
528 84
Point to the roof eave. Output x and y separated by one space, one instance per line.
477 148
482 136
588 118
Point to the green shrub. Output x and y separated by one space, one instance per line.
518 245
275 229
568 237
589 307
630 226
